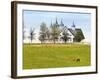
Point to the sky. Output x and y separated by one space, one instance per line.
33 19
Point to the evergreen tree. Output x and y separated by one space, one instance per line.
78 36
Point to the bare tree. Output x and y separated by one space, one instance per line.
44 33
65 36
23 32
55 32
48 33
32 34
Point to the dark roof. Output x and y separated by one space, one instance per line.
77 30
72 31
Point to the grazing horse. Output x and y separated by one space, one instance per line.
78 60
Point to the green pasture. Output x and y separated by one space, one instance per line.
37 56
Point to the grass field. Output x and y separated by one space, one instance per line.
55 55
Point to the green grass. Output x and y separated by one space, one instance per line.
55 55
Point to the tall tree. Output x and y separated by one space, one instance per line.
65 36
55 32
23 32
48 33
44 32
32 34
79 36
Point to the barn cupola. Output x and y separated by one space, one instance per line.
61 24
73 26
56 23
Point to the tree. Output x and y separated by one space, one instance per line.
65 36
41 38
23 31
78 36
44 32
48 33
55 32
32 34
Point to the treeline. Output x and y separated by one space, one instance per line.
53 33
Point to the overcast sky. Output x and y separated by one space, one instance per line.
33 19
